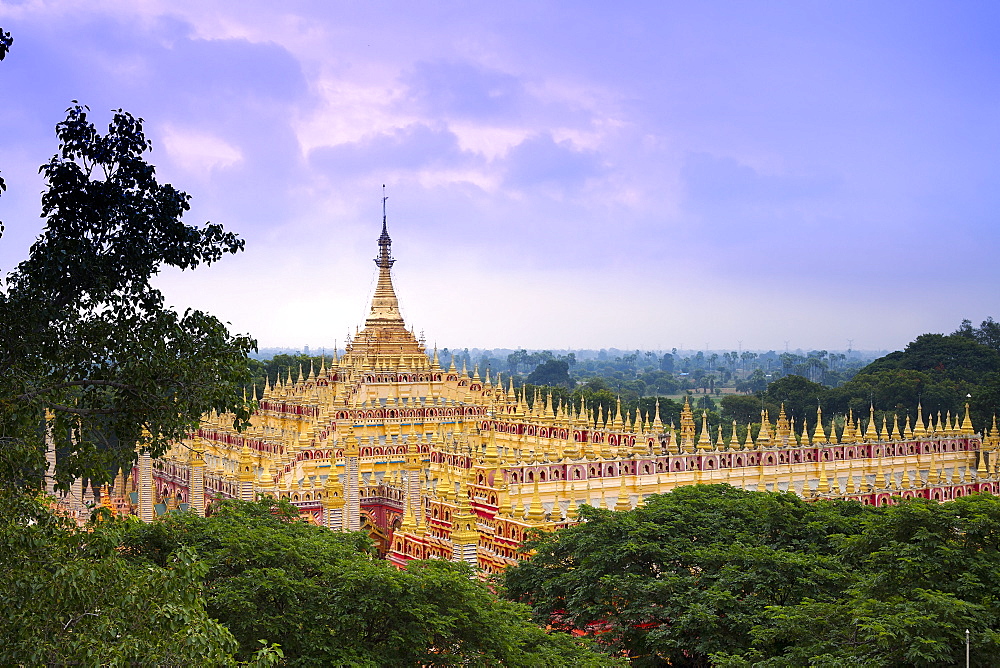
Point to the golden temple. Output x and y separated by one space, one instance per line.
438 462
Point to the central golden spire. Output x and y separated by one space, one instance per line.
384 343
385 306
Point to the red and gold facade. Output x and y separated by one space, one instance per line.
437 462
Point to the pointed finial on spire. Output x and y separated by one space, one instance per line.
704 440
967 428
819 436
871 434
920 429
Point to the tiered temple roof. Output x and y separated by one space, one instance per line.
441 462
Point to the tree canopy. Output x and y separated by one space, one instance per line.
552 373
252 583
326 599
718 575
75 596
939 371
85 338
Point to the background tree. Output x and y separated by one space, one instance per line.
988 332
743 408
552 372
937 370
282 365
800 396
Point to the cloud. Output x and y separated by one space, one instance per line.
464 90
723 180
209 70
541 161
681 142
199 152
350 111
412 148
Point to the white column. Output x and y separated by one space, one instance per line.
146 511
466 552
353 506
50 458
196 490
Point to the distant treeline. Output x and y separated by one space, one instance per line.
940 372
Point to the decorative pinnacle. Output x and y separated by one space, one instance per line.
384 259
385 306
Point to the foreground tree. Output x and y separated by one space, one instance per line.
85 338
921 574
72 596
685 575
713 575
326 600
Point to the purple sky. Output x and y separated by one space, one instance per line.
575 174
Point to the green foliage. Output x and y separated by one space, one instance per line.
755 382
988 333
951 357
85 336
326 600
800 396
744 408
940 372
713 574
937 370
187 590
71 596
552 373
6 41
283 365
521 360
